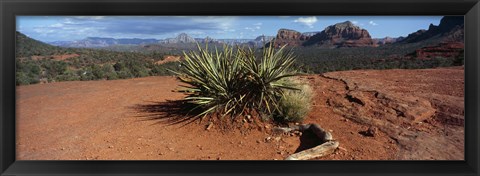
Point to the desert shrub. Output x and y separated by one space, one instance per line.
164 69
235 81
125 74
22 79
68 75
294 104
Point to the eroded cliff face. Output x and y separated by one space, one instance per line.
290 38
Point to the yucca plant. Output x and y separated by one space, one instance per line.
234 80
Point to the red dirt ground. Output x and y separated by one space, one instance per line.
101 120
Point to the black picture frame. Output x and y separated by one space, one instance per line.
10 8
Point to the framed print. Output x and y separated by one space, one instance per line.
250 87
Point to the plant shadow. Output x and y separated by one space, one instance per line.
170 112
308 140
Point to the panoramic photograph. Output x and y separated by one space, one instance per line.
240 88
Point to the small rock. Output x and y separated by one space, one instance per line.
372 131
161 153
218 158
351 132
268 139
258 141
63 148
110 146
209 126
277 139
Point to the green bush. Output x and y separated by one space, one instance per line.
68 75
235 81
294 104
22 78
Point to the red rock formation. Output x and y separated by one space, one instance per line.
289 37
344 34
444 49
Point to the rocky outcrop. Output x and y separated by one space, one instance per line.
344 34
444 49
450 27
289 37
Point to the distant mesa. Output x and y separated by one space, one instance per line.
344 34
291 37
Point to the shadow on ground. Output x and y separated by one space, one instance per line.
308 140
170 112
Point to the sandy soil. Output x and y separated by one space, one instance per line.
124 120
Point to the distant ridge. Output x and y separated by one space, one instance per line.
450 27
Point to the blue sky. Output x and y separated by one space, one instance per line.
67 28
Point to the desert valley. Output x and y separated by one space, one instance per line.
392 98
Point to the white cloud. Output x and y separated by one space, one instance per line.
308 21
355 22
223 22
253 29
56 25
90 17
372 23
257 24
